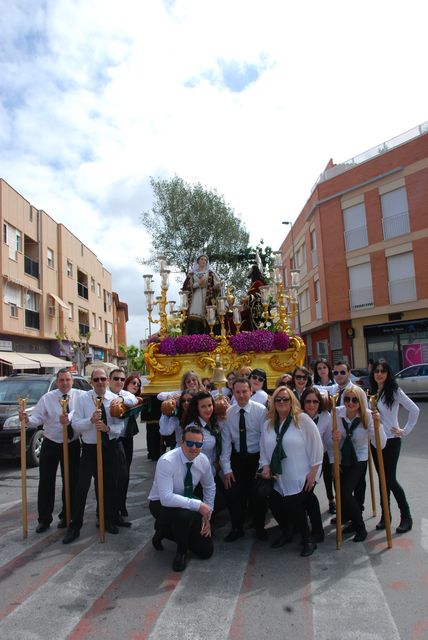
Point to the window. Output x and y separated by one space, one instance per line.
354 221
94 320
13 309
51 307
12 237
361 289
32 309
70 311
98 290
335 336
401 278
314 255
100 323
12 294
304 300
92 285
69 268
322 349
317 299
50 256
300 256
395 213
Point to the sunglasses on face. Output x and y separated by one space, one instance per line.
192 443
312 401
339 373
282 399
379 371
300 376
351 400
116 378
258 378
102 379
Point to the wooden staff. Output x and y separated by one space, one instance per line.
22 405
372 489
102 535
381 468
336 467
64 403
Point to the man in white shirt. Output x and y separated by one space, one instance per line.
88 420
48 412
179 515
240 460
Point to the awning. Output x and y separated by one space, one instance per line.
21 283
18 360
58 299
48 360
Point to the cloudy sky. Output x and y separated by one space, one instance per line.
251 97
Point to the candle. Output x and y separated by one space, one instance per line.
147 281
278 258
165 279
211 314
183 299
236 315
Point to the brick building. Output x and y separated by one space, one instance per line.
360 244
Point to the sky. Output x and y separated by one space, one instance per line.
251 98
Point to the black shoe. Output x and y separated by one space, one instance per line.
261 534
405 525
120 522
381 524
179 562
308 548
332 507
43 526
284 538
317 536
71 535
234 535
124 512
361 534
350 528
62 524
157 541
111 528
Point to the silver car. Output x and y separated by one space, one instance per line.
414 380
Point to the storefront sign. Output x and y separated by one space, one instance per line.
415 353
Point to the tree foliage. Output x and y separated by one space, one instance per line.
135 357
188 219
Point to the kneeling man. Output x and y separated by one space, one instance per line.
178 514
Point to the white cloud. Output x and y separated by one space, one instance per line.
96 97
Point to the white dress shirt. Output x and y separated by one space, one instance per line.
260 396
304 449
168 483
255 415
48 411
389 415
129 399
323 424
84 409
360 436
169 425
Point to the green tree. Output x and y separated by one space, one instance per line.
77 348
135 357
187 219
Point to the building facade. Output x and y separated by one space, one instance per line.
360 247
53 287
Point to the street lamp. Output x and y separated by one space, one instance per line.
294 272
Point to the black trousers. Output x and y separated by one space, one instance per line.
241 495
350 480
122 476
184 527
314 512
391 453
52 454
153 440
87 471
291 510
327 476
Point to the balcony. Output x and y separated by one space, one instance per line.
31 267
32 319
402 290
82 290
396 225
83 329
361 298
356 238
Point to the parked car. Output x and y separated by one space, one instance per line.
414 380
32 387
360 377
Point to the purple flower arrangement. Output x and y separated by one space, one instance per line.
260 340
187 344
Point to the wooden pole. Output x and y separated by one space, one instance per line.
66 465
381 467
336 469
102 533
372 488
22 405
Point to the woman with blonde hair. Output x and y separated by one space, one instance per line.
291 451
354 422
190 381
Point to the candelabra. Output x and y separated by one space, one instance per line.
160 301
285 305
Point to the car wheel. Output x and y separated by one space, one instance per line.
33 453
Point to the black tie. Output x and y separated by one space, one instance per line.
104 436
242 433
70 432
188 481
349 455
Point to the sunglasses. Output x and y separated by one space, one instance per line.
339 373
117 378
379 371
351 400
312 401
283 399
192 443
133 381
257 378
300 377
102 379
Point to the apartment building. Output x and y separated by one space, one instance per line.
360 247
53 285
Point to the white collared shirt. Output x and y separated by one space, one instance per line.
389 415
255 415
168 483
360 436
48 411
84 410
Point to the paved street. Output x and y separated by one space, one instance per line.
124 589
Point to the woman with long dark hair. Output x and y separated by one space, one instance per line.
174 416
323 374
301 379
201 412
389 398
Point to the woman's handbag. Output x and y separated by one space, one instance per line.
263 487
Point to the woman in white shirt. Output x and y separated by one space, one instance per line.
389 399
258 382
291 451
174 420
354 421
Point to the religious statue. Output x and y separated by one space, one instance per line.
203 286
252 307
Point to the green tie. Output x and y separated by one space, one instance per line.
278 453
188 481
349 456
